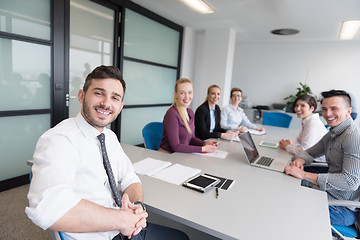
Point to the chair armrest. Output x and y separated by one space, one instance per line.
344 203
318 164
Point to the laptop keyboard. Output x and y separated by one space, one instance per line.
265 161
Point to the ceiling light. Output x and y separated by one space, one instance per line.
199 6
349 29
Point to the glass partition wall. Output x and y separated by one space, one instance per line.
25 81
150 68
47 49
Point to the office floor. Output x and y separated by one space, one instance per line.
15 225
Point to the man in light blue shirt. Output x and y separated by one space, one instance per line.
233 117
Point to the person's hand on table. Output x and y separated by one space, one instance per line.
210 146
242 129
261 129
229 134
299 163
294 171
283 143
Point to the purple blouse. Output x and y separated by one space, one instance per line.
175 136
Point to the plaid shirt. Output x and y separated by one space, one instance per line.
341 146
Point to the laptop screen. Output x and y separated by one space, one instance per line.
249 146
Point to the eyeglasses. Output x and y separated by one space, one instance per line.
234 96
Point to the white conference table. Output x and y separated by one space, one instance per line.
261 204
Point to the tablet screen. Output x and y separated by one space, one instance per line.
202 181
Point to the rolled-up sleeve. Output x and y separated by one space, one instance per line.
51 195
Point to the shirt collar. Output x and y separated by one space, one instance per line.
339 129
235 109
85 127
314 115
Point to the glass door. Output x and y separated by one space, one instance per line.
92 31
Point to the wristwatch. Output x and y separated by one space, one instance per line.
141 203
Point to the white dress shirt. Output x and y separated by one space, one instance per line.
68 167
311 132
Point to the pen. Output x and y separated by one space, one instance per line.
217 193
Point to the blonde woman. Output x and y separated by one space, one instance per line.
179 124
207 117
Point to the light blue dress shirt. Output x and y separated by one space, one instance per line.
212 119
233 118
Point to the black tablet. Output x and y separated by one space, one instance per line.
201 183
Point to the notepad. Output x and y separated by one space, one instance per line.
149 166
163 170
176 174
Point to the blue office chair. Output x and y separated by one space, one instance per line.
347 231
277 119
152 134
61 235
353 115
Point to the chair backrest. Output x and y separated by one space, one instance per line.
56 235
152 134
61 235
277 119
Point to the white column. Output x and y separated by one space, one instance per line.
214 63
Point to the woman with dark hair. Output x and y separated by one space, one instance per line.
179 124
312 128
207 117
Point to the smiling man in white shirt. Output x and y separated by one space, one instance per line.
70 189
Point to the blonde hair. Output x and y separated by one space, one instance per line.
209 89
181 113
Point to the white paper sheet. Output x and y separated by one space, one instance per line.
176 174
217 154
256 132
149 166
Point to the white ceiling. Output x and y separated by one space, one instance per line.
317 20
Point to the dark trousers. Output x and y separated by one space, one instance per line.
156 232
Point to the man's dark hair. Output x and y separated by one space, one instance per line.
102 72
340 93
235 90
308 99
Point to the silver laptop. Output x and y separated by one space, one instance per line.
255 159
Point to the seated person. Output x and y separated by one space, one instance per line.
75 181
342 153
179 124
207 117
354 111
312 128
233 117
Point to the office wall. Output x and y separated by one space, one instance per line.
268 72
